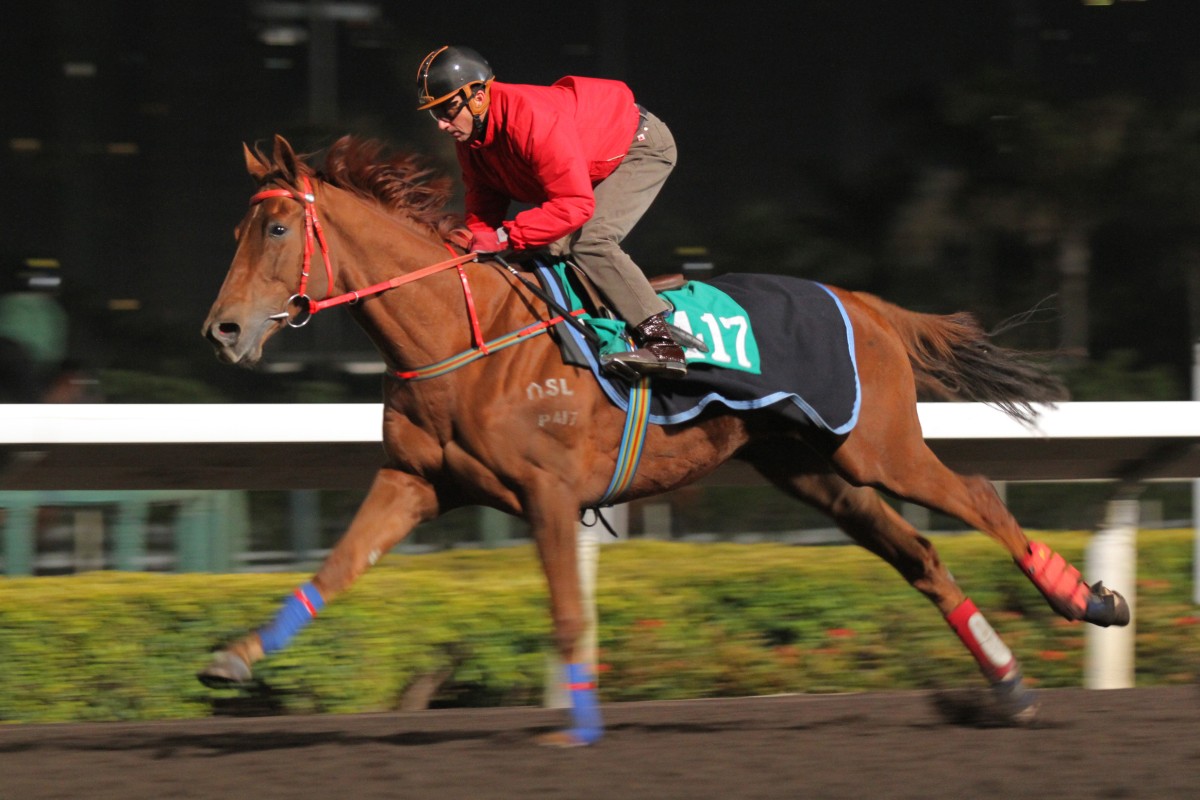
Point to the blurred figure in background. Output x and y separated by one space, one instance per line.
33 329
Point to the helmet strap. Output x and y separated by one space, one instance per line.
478 123
478 106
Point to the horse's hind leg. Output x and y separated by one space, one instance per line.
862 514
925 480
396 502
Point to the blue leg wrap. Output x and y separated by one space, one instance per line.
585 710
297 611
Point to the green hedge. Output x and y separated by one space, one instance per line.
676 621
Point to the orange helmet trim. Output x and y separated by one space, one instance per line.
426 100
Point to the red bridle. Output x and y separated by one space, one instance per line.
314 235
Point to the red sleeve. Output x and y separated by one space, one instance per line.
552 147
484 206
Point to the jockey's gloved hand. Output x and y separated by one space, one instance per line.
490 241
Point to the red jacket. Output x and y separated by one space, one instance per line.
548 146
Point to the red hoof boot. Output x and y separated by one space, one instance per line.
1058 581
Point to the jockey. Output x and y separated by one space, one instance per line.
587 158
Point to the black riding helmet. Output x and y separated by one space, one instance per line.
447 71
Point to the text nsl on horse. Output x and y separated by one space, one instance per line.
475 436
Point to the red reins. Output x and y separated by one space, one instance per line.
314 236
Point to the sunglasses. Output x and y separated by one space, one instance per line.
447 111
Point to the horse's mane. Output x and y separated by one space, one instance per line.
404 183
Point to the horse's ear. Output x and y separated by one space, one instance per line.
255 164
285 159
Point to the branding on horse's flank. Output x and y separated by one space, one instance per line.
567 418
553 387
996 650
721 334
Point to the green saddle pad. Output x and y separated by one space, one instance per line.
702 310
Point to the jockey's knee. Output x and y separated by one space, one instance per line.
597 250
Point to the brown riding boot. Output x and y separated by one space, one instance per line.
658 356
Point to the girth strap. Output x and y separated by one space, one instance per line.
633 439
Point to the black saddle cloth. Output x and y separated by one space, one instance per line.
806 347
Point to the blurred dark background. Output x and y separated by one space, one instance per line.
994 156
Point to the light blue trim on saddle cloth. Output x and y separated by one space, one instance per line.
788 403
702 310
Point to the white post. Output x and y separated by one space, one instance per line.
1112 556
1196 542
1196 488
587 548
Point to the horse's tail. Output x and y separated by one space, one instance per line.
953 358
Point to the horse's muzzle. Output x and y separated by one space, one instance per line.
230 343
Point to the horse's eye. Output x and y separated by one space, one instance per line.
275 229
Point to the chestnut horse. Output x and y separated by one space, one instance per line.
371 231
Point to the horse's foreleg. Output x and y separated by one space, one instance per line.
396 502
553 517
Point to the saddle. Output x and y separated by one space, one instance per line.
596 306
805 370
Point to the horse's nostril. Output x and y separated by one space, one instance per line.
225 332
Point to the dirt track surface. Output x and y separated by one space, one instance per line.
1142 743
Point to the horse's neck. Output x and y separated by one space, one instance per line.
415 324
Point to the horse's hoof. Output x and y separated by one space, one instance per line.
1024 712
1016 703
225 670
569 738
1106 607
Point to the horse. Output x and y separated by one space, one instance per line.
470 433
